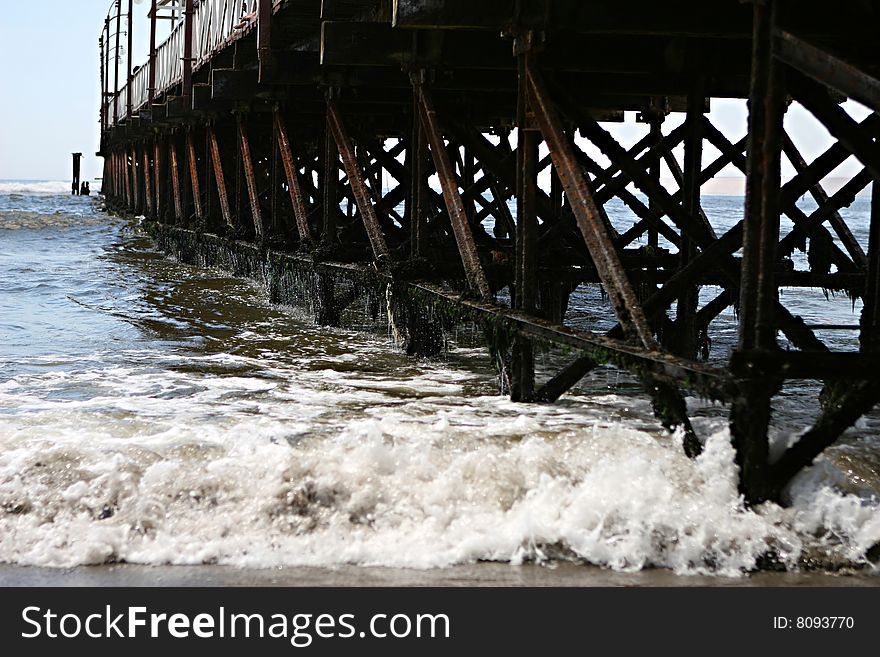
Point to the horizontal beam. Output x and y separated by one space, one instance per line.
818 365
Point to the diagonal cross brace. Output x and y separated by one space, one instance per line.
454 204
599 243
356 181
297 200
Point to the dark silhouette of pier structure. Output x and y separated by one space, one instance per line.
376 147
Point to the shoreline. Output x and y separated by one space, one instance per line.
474 575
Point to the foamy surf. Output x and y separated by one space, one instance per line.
35 187
427 480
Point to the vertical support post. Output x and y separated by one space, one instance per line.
418 149
685 323
356 182
195 187
297 200
116 61
750 415
135 183
219 178
126 180
175 179
250 178
130 85
523 383
331 187
148 183
153 19
157 177
115 168
239 174
454 205
278 226
655 121
186 82
870 335
209 178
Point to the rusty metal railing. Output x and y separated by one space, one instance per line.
140 87
169 60
216 24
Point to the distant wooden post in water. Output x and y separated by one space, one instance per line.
75 187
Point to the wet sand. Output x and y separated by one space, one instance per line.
477 575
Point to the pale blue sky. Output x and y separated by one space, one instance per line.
49 77
49 84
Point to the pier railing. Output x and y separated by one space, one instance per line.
216 23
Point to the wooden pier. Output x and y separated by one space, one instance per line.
381 142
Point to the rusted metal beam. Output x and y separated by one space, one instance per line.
356 182
851 404
818 193
157 177
126 177
297 200
621 294
195 186
330 184
250 178
650 216
526 279
454 205
685 335
819 366
808 178
632 160
175 179
634 170
827 69
841 126
148 183
750 413
870 335
135 183
655 131
668 404
219 177
418 184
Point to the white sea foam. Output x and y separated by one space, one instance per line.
35 188
299 467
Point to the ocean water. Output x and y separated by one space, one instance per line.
157 413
